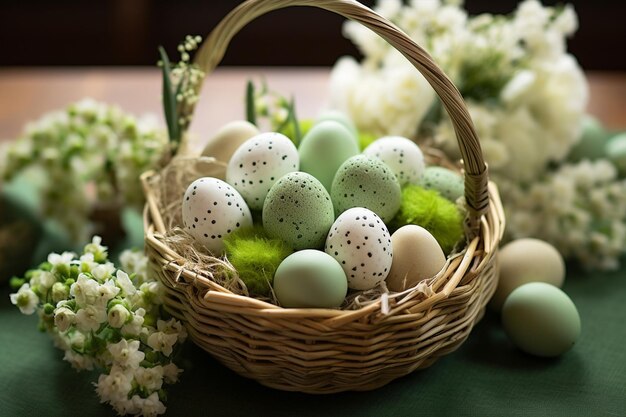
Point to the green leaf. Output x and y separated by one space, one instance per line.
250 105
291 116
169 98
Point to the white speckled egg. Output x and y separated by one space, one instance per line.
298 210
367 182
402 155
360 242
258 163
449 184
228 138
211 210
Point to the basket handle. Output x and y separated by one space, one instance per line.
476 178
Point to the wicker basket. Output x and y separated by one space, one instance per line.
325 350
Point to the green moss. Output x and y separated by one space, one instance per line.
427 208
255 257
289 131
366 139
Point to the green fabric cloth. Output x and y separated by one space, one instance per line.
487 376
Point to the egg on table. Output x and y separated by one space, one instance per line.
310 278
416 256
447 182
360 242
258 163
402 155
213 209
367 182
324 148
526 260
298 210
228 138
540 319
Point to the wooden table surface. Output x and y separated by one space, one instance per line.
25 94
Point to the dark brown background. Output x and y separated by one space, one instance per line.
127 32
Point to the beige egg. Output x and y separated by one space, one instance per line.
527 260
228 138
416 256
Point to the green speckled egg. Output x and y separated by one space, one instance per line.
310 279
616 152
592 141
324 148
540 319
449 184
367 182
299 211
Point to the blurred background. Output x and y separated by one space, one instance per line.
127 32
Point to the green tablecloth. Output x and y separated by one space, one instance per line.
487 376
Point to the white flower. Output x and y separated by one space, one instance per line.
134 326
115 386
60 292
79 361
172 326
106 292
64 259
123 281
90 317
135 262
150 378
118 316
162 342
25 299
149 407
85 290
43 280
103 272
126 354
76 340
64 318
171 372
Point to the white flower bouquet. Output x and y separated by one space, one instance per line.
107 318
527 96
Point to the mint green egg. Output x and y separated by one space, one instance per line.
364 181
324 148
298 210
592 142
447 182
540 319
338 116
616 152
310 279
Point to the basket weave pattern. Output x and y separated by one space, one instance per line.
325 350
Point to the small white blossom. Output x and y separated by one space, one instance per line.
126 354
25 299
79 361
64 318
171 372
123 281
106 292
115 386
162 342
60 292
85 291
63 259
134 326
102 272
150 378
149 407
118 316
90 318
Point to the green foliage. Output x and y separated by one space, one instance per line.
366 139
255 257
483 76
427 208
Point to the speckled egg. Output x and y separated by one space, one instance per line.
592 141
228 138
310 279
402 155
447 182
299 211
360 242
258 163
324 148
367 182
616 152
213 209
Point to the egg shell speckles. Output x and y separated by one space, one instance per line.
360 242
258 163
299 211
449 184
366 182
213 209
402 155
